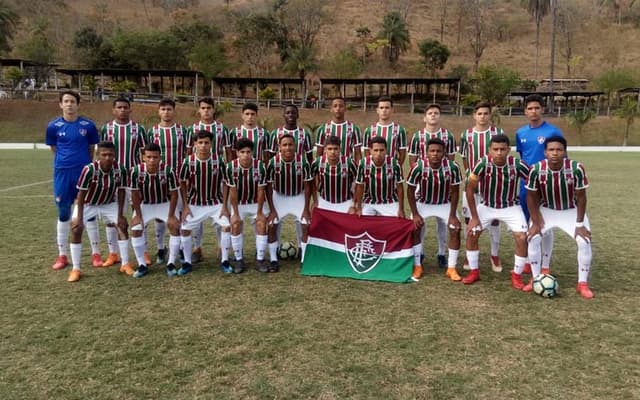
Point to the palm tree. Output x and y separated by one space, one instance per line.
628 111
538 9
8 21
394 29
301 60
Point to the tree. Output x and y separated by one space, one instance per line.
345 64
91 49
579 119
38 48
612 81
304 19
618 6
8 23
495 83
208 58
628 112
253 40
301 61
15 75
394 29
434 55
478 28
538 9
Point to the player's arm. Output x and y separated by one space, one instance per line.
402 154
474 222
53 149
122 221
411 198
581 203
184 190
136 201
233 200
535 216
454 199
78 223
306 214
357 198
400 194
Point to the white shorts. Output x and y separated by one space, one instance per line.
440 211
512 216
387 210
563 219
150 212
289 205
106 212
337 207
200 213
250 210
465 204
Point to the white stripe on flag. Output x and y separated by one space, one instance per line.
340 247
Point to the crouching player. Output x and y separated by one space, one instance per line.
335 176
154 195
436 180
246 178
101 191
557 198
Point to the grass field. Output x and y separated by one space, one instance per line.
253 336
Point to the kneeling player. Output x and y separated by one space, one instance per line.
335 175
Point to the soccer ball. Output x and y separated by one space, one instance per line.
546 285
287 251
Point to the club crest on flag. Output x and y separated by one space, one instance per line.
364 252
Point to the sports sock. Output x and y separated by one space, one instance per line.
584 259
518 264
299 233
494 233
145 235
218 234
547 248
161 229
76 255
273 251
261 246
534 255
225 243
303 248
417 252
197 235
112 239
236 244
94 236
62 236
473 256
453 258
174 249
123 246
138 249
441 231
187 250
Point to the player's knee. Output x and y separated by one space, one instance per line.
64 213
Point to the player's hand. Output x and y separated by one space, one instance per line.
454 223
473 227
273 216
418 221
173 223
584 232
186 211
235 219
534 230
306 217
401 213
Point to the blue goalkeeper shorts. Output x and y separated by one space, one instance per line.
64 190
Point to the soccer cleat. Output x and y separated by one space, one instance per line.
417 273
226 267
96 260
185 269
472 276
61 262
196 256
273 267
453 274
516 281
171 270
466 264
181 256
127 269
442 261
141 271
528 287
238 268
526 269
74 275
147 258
113 258
545 271
496 264
262 266
584 291
162 256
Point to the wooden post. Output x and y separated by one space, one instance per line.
175 86
364 96
195 91
413 90
458 99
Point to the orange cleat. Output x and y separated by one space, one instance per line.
74 275
584 291
496 264
471 277
96 260
60 263
516 281
147 259
417 273
127 269
112 259
453 274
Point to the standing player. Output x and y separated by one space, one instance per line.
418 150
100 194
474 144
347 131
334 177
246 179
557 197
497 177
302 136
154 195
394 134
288 193
250 130
71 139
530 144
436 181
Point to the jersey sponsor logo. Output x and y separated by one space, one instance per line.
59 124
62 133
541 139
84 122
364 251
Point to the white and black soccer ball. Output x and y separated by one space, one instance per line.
287 251
546 285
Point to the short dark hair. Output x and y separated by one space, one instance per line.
121 99
105 144
432 105
333 140
378 139
385 98
207 100
338 98
202 134
167 102
244 142
250 106
556 138
482 104
71 93
500 139
291 105
151 147
284 136
435 141
534 98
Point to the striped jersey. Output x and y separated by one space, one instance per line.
220 136
475 145
301 136
204 179
379 182
434 185
499 185
128 139
335 182
394 134
288 177
173 142
348 132
420 139
558 188
101 186
154 188
246 180
259 136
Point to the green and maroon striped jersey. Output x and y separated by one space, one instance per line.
101 186
394 134
420 139
301 136
335 181
288 177
246 180
434 185
348 132
259 136
220 136
379 182
154 188
173 142
204 179
558 188
498 186
475 145
128 139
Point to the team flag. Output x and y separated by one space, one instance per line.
347 246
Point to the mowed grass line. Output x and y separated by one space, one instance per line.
209 335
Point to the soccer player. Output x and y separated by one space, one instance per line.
379 189
347 131
530 142
100 194
335 175
474 144
436 182
302 136
246 179
71 139
154 195
128 138
201 188
250 130
497 177
418 150
393 133
557 197
288 193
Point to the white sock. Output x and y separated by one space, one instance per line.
112 239
417 252
62 236
236 244
94 236
174 248
453 258
261 246
225 243
197 235
518 264
138 249
273 251
299 233
187 250
473 256
547 248
145 235
218 234
76 255
534 255
584 259
303 248
441 231
123 245
494 233
161 229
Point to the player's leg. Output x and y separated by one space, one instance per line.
112 242
485 214
198 233
198 214
109 212
225 240
567 223
494 235
466 214
513 217
417 247
261 244
139 246
64 192
547 250
237 240
94 239
77 227
441 232
161 229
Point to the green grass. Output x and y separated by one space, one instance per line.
253 336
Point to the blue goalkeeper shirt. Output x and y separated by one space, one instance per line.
72 141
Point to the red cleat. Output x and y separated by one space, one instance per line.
516 281
96 260
471 277
60 263
528 287
584 291
545 271
527 269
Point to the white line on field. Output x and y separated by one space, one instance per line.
35 196
24 186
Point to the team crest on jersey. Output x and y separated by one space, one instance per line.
83 132
469 139
364 251
541 139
